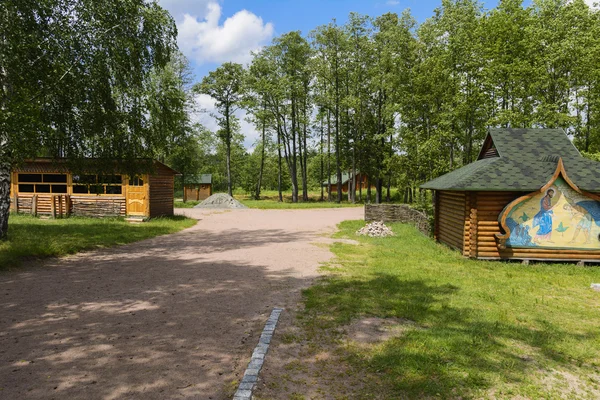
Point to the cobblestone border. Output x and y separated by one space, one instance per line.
250 378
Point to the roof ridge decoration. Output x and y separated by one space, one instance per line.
558 206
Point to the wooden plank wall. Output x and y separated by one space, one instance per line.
161 192
43 204
84 206
205 192
450 218
489 207
100 206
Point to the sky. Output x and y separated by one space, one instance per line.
211 32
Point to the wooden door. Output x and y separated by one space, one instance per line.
137 196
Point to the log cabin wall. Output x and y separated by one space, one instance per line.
489 207
450 218
485 208
161 192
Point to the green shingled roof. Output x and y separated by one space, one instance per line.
527 159
202 179
345 178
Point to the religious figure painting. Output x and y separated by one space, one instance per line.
559 217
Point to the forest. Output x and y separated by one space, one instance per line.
399 101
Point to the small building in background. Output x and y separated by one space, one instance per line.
197 187
530 196
360 179
48 187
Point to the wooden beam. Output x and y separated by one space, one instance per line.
34 205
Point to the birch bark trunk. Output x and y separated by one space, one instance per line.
4 198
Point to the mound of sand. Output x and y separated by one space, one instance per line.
220 200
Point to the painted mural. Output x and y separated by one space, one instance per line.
558 218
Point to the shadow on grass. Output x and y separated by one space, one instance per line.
451 352
30 237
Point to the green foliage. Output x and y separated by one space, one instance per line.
34 237
225 86
404 102
91 87
469 329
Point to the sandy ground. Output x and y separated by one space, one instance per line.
171 317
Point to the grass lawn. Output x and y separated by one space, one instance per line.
187 204
474 329
33 237
270 200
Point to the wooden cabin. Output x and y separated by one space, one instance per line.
361 181
44 186
197 187
529 196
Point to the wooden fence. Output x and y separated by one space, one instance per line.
398 213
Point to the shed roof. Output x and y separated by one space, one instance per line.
524 160
345 178
202 179
49 165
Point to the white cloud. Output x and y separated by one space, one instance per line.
205 106
393 2
203 39
178 8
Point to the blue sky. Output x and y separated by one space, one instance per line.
248 25
215 31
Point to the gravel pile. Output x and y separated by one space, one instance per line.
220 200
375 229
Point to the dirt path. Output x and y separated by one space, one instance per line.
171 317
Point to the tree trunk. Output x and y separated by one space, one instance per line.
183 186
4 198
228 149
378 190
294 169
360 181
279 162
388 196
328 155
262 161
229 189
322 162
368 190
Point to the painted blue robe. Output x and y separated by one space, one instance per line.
543 219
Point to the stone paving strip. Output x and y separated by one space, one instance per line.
250 378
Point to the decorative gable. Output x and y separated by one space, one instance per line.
558 216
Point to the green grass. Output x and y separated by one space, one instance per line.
30 237
187 204
270 200
482 329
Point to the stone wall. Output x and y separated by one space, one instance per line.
398 213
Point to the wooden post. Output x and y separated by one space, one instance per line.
34 205
60 206
473 226
15 203
68 205
53 206
436 215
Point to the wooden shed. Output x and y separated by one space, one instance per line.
530 196
45 186
197 187
361 181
